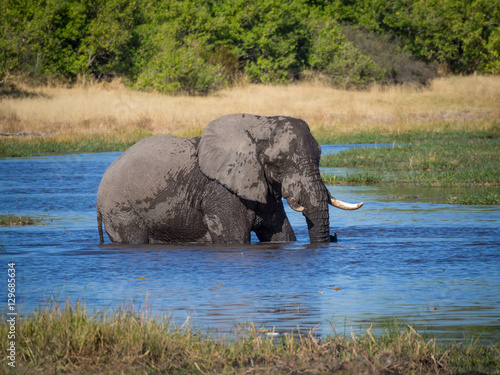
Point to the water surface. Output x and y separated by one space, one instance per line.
435 266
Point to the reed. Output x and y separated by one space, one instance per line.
69 339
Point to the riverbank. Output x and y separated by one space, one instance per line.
468 163
125 341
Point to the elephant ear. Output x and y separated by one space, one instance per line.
228 153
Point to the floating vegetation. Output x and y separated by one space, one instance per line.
483 198
10 219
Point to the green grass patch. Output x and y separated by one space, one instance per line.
69 339
15 146
483 198
70 143
427 164
10 219
330 135
466 164
364 178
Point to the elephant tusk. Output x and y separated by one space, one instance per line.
294 205
343 205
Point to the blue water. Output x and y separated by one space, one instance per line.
435 266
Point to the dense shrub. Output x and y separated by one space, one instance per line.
339 60
398 65
174 68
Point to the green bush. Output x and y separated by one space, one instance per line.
174 68
340 61
399 66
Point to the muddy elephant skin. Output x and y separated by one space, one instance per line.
219 187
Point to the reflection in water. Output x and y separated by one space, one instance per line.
431 265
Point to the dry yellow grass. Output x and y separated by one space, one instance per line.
453 102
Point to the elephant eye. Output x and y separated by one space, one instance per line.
280 162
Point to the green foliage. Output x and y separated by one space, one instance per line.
386 52
186 46
273 37
461 35
342 63
171 67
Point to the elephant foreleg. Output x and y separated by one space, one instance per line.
274 226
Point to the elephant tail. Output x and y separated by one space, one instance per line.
99 226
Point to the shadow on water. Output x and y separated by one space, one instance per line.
434 266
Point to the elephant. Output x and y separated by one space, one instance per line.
219 187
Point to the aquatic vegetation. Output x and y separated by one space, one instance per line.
470 163
467 163
70 339
70 143
11 219
363 178
483 198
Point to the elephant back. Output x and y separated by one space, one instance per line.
148 166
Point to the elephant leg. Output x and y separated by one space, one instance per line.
126 228
227 218
274 226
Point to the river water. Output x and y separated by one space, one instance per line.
402 257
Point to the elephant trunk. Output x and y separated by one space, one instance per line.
318 224
316 213
311 197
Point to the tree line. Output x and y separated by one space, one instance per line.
188 46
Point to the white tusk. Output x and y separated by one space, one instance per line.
294 205
343 205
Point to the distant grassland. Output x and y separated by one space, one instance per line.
110 117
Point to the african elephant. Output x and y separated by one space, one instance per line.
218 187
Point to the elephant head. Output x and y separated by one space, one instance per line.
262 158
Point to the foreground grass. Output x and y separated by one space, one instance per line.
71 340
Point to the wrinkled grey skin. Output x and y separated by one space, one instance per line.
218 187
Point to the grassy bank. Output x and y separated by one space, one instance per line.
467 163
70 143
427 164
108 117
72 340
